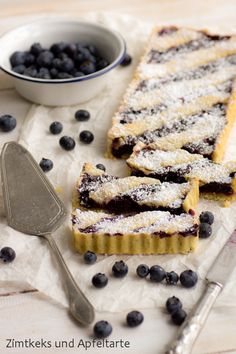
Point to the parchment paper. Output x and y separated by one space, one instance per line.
34 263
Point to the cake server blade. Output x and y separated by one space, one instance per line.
216 278
33 207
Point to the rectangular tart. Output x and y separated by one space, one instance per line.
216 181
97 189
149 232
182 96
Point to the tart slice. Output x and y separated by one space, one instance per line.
149 232
182 95
216 181
97 189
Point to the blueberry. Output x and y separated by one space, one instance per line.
83 55
102 329
86 136
63 75
7 254
178 317
100 166
36 49
56 63
29 59
142 270
31 71
120 269
45 58
44 73
172 278
17 58
67 143
71 50
53 73
56 128
127 60
19 69
206 216
80 47
90 257
205 230
134 318
46 165
188 278
92 49
7 123
67 65
57 48
87 67
99 280
101 64
81 115
63 56
157 273
77 73
173 304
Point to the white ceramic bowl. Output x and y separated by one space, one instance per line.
65 91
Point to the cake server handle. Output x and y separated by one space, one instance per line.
79 306
191 328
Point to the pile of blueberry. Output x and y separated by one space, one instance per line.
61 61
7 254
206 220
174 308
187 278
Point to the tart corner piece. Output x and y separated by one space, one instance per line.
152 232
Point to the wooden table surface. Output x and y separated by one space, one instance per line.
24 312
158 10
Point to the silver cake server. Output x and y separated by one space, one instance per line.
216 279
33 207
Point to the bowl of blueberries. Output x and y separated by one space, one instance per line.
59 63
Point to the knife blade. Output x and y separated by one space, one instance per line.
216 279
224 263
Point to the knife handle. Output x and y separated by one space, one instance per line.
194 323
79 306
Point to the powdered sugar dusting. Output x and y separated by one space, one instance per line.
159 161
146 191
185 80
148 222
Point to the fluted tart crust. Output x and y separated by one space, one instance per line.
149 232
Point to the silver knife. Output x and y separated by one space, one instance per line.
33 207
216 279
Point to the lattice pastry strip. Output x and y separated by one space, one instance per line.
216 181
99 190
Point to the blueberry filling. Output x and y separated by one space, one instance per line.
178 177
125 202
124 146
167 31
